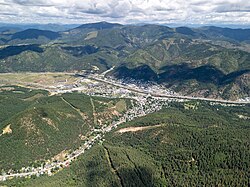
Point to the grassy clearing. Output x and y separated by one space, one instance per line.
91 35
121 105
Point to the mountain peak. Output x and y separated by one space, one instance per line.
99 25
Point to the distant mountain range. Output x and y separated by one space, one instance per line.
35 34
51 27
206 61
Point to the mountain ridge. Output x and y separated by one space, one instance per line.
105 45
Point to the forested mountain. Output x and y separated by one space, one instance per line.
210 60
177 146
90 131
34 34
36 127
99 26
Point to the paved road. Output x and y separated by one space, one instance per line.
48 168
168 96
82 150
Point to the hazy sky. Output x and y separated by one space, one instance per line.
126 11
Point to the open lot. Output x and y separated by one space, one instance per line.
37 79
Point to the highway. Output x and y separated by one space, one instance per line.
165 95
49 166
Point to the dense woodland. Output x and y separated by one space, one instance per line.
205 146
42 126
209 61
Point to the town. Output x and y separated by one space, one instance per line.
142 105
147 98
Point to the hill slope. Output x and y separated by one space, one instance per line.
35 127
163 50
186 144
99 25
35 34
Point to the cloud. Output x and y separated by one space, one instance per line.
31 2
126 11
232 8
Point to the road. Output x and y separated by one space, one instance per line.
96 134
50 166
167 96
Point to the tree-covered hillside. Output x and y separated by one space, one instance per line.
35 127
162 49
185 144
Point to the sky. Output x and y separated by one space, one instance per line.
126 11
